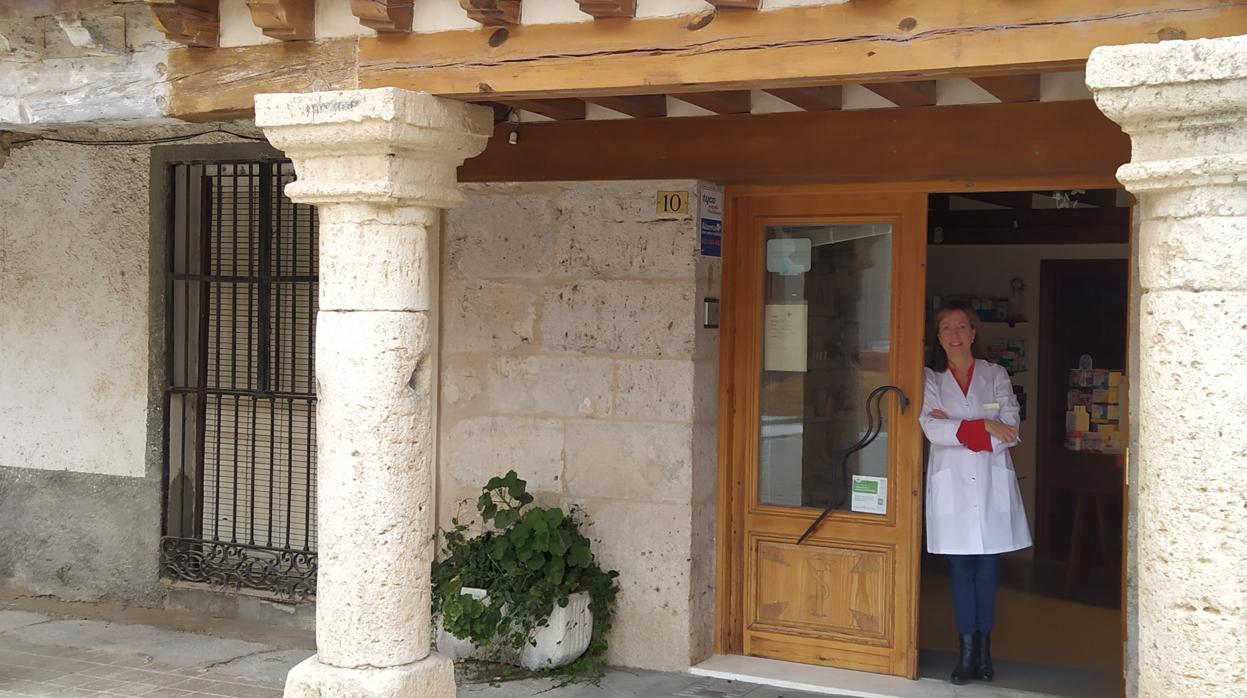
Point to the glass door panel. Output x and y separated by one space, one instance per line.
826 344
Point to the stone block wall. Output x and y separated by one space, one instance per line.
572 351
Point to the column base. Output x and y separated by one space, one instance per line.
431 677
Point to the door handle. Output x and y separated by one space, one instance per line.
874 424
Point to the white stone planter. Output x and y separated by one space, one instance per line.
560 642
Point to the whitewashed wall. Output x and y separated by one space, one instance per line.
74 309
572 352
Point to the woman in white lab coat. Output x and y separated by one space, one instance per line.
973 505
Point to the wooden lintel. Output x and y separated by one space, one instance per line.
557 109
384 15
18 9
189 22
492 12
1011 88
288 20
844 43
913 93
638 106
734 102
848 42
222 84
956 144
605 9
811 98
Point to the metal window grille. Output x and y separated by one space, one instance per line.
240 399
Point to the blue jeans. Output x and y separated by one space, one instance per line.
974 592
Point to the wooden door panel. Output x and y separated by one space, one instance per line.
846 597
833 591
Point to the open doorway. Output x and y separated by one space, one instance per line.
1047 272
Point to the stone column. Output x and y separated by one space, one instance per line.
1184 105
380 165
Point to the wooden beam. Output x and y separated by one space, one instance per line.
19 9
735 4
605 9
222 84
493 12
288 20
847 42
955 144
1029 227
638 106
811 98
384 15
1011 88
557 109
735 102
189 22
916 93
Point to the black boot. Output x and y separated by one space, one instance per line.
983 669
964 671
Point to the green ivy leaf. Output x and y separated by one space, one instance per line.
579 556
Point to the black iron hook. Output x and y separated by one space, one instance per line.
874 411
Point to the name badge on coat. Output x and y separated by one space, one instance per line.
991 406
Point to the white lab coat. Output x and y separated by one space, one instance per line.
974 506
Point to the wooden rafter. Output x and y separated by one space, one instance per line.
557 109
734 102
189 22
288 20
1011 88
384 15
604 9
493 12
827 98
914 93
638 106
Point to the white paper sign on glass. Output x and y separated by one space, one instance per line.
784 337
870 494
788 256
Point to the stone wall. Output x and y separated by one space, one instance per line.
573 352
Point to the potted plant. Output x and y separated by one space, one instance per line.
525 588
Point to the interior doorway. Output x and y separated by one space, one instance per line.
1047 272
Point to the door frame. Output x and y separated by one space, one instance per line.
731 488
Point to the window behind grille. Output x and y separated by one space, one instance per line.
241 397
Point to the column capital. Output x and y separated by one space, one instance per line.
386 146
1181 102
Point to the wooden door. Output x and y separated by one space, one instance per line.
825 295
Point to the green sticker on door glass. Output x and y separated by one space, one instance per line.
870 494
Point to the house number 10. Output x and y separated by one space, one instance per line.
673 202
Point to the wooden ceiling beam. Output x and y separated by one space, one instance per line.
188 22
1011 88
637 106
850 42
606 9
955 145
288 20
386 16
557 109
492 12
827 98
914 93
734 102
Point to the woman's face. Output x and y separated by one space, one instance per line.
956 333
